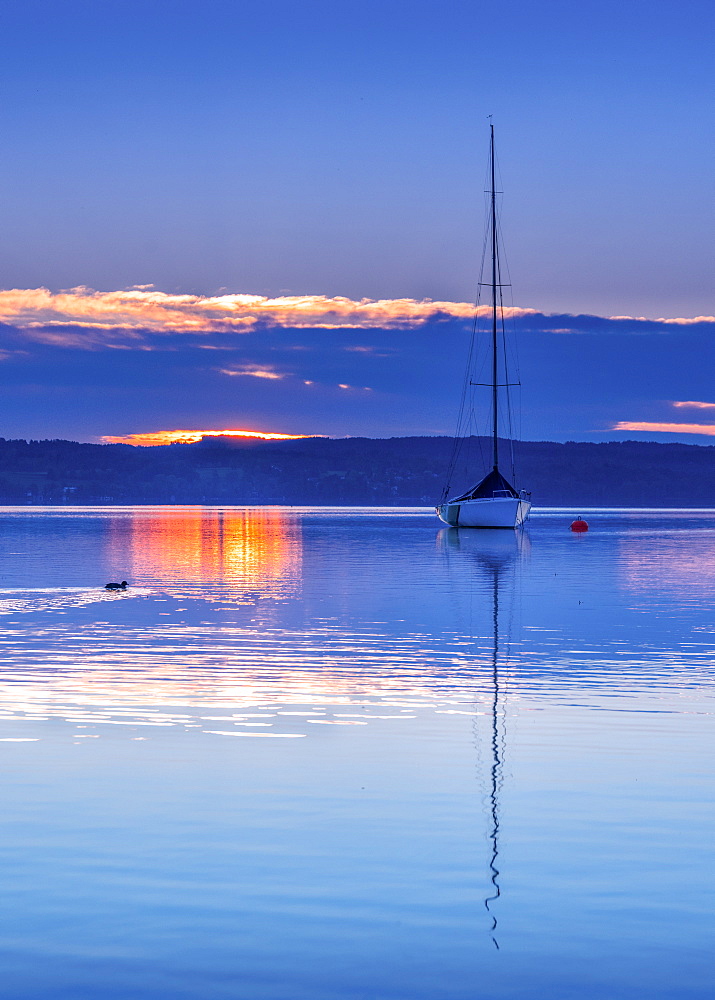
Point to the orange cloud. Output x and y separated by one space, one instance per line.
693 404
664 428
254 371
86 318
145 308
153 439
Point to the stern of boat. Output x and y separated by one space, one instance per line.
449 513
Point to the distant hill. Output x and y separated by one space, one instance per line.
385 471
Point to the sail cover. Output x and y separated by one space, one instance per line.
493 485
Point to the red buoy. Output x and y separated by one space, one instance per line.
579 525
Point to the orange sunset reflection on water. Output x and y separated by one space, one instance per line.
194 642
188 548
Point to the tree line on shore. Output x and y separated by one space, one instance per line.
382 471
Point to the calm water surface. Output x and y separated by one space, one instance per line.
348 753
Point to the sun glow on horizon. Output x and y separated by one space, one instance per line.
155 439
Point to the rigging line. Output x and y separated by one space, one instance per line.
457 440
509 409
464 426
495 400
504 277
481 433
508 284
514 352
458 437
507 396
503 262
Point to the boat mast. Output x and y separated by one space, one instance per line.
494 307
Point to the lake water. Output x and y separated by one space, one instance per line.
352 754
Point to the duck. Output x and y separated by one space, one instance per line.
116 586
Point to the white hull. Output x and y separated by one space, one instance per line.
492 512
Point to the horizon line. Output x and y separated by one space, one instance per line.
195 437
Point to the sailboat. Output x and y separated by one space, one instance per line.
493 502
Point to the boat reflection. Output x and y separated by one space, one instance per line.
486 547
496 554
259 549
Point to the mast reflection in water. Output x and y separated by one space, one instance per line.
495 554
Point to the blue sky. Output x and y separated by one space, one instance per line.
339 149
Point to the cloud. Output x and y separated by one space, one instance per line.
253 371
153 439
679 320
145 308
84 318
668 427
663 428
